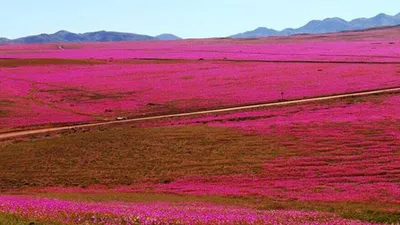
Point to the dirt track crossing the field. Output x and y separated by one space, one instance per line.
230 109
279 61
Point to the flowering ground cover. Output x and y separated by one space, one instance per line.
338 156
32 95
41 84
69 212
342 150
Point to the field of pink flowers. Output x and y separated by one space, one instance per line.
49 92
378 45
339 152
70 212
45 94
345 150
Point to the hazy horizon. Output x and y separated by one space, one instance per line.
187 19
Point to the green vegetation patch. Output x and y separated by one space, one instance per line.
125 156
10 219
3 113
6 102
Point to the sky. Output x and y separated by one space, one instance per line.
185 18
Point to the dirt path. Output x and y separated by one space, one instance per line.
231 109
299 61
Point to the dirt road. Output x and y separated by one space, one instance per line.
281 103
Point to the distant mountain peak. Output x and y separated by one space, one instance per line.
328 25
333 19
62 32
380 15
167 37
259 32
262 29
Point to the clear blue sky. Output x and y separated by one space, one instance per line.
185 18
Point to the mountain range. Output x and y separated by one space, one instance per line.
329 25
98 36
